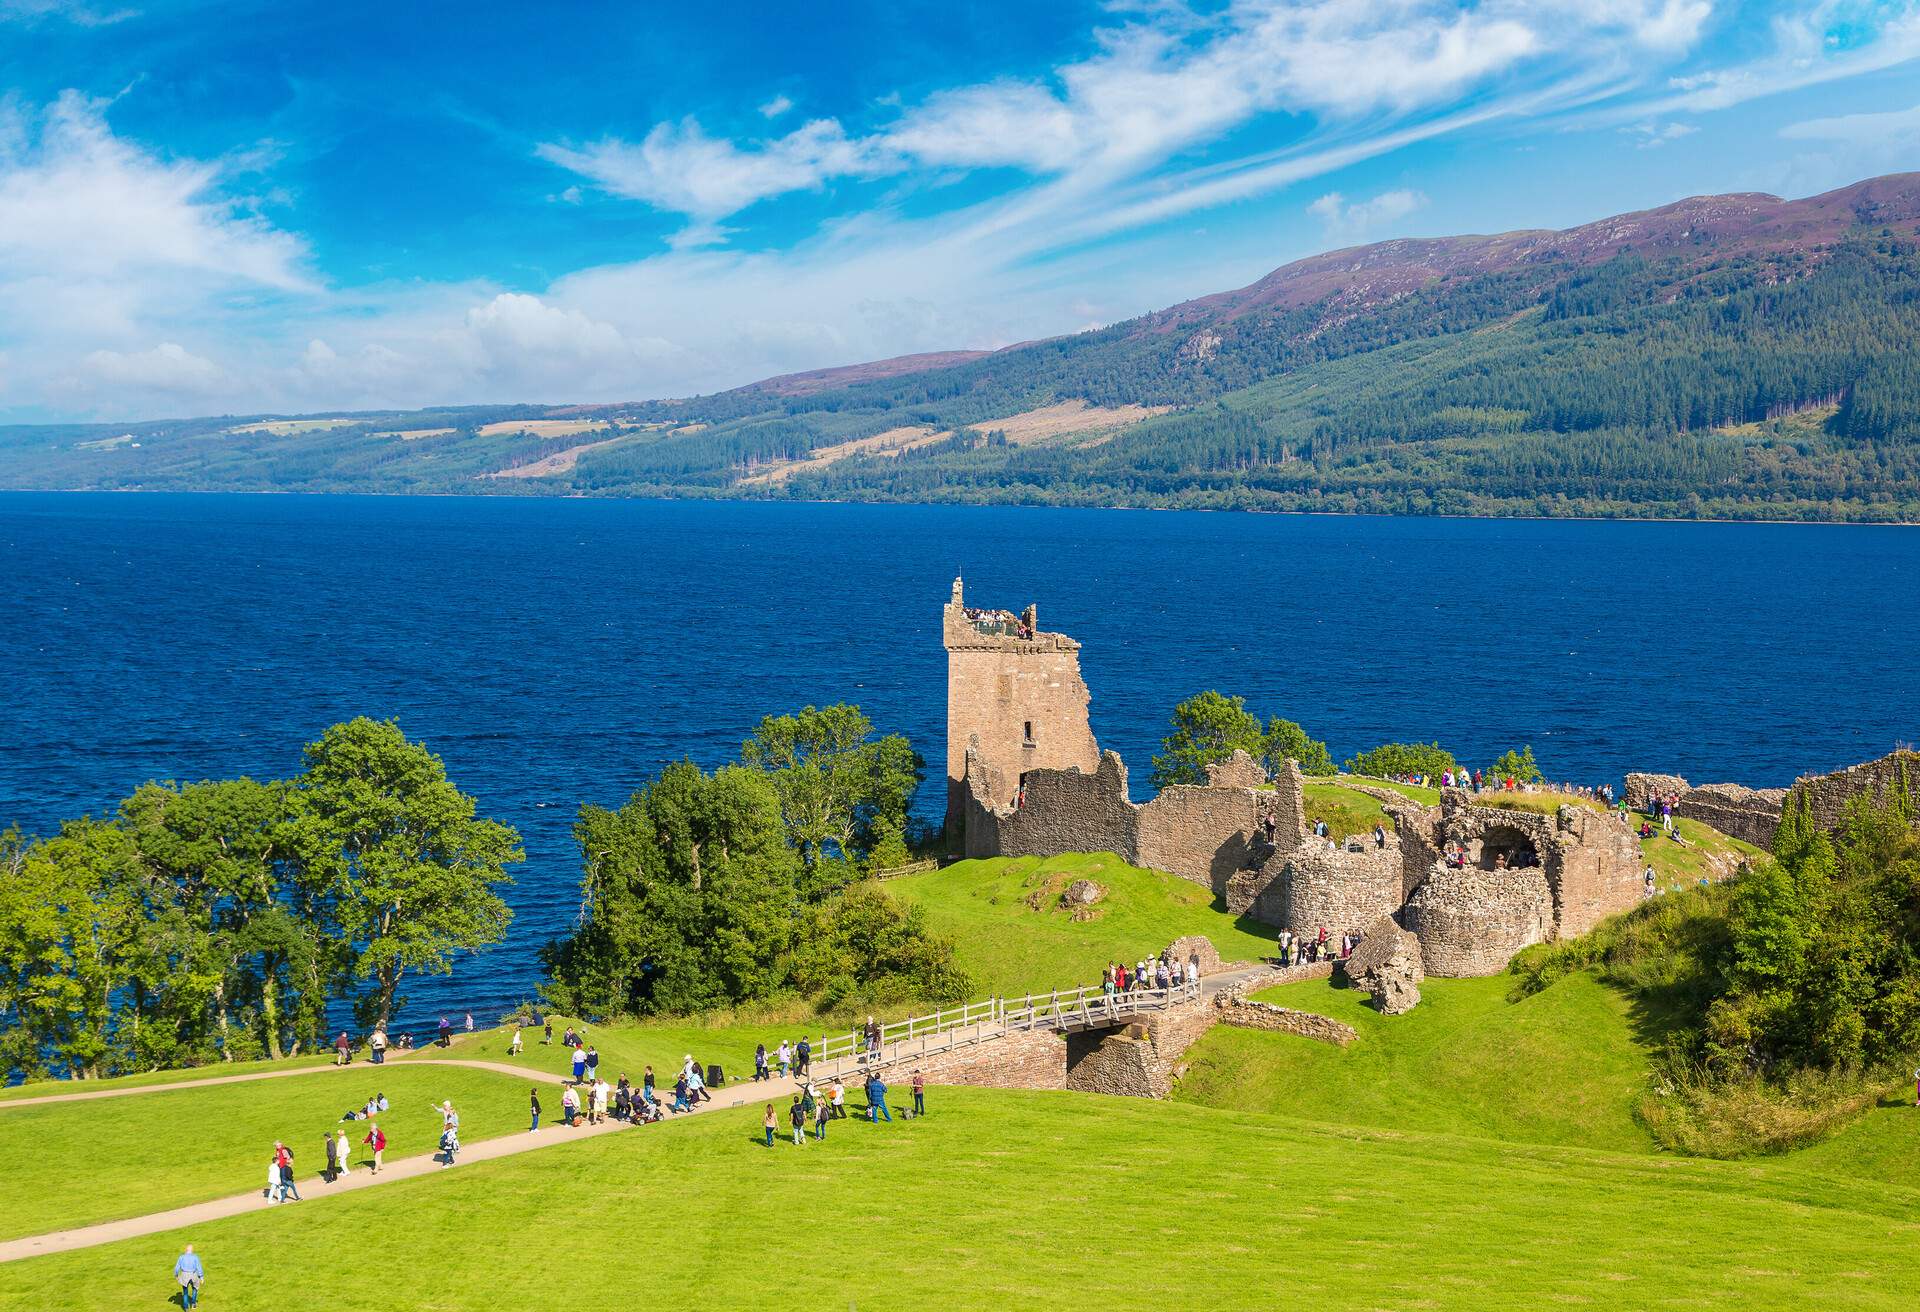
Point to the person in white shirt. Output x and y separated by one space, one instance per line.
786 1057
513 1048
340 1151
599 1106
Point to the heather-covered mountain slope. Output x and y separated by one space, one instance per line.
1728 356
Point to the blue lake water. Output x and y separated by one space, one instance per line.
560 651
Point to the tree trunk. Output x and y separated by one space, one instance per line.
270 1012
226 1048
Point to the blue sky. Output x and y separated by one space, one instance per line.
237 207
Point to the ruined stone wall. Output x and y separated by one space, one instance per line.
1593 869
1749 814
1826 796
1289 806
1119 1063
1471 922
1201 834
1034 1060
1643 788
1418 829
1344 889
1260 893
998 685
1245 1015
1065 811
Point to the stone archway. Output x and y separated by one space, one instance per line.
1504 847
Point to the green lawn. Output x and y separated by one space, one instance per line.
40 1088
76 1163
1560 1067
1007 1200
1012 948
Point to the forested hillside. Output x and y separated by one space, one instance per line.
1736 357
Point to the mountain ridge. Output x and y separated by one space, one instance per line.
1736 356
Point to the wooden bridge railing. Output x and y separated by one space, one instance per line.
1091 1007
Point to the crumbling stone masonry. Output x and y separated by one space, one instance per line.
1749 814
1471 921
1826 796
1387 966
1204 833
1013 693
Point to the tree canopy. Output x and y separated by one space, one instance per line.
220 918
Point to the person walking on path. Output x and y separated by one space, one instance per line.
377 1042
772 1123
877 1101
593 1063
534 1097
341 1152
579 1065
919 1094
797 1114
680 1095
332 1170
342 1050
283 1158
760 1062
646 1087
786 1058
570 1106
599 1103
377 1140
803 1058
696 1087
190 1274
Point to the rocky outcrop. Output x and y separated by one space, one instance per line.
1388 966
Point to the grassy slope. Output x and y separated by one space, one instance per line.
1020 1199
1011 948
1675 865
41 1088
1561 1067
129 1156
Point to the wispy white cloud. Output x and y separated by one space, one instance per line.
1897 125
776 107
1345 220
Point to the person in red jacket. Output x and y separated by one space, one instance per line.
377 1140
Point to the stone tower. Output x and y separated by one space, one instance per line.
1017 693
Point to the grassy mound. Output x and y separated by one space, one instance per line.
1011 934
1344 810
1560 1067
76 1163
987 1203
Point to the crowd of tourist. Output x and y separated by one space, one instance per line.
1305 949
999 623
1478 781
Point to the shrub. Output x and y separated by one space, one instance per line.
1389 760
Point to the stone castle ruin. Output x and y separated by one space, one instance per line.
1471 881
1025 778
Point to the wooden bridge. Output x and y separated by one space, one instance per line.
1090 1008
